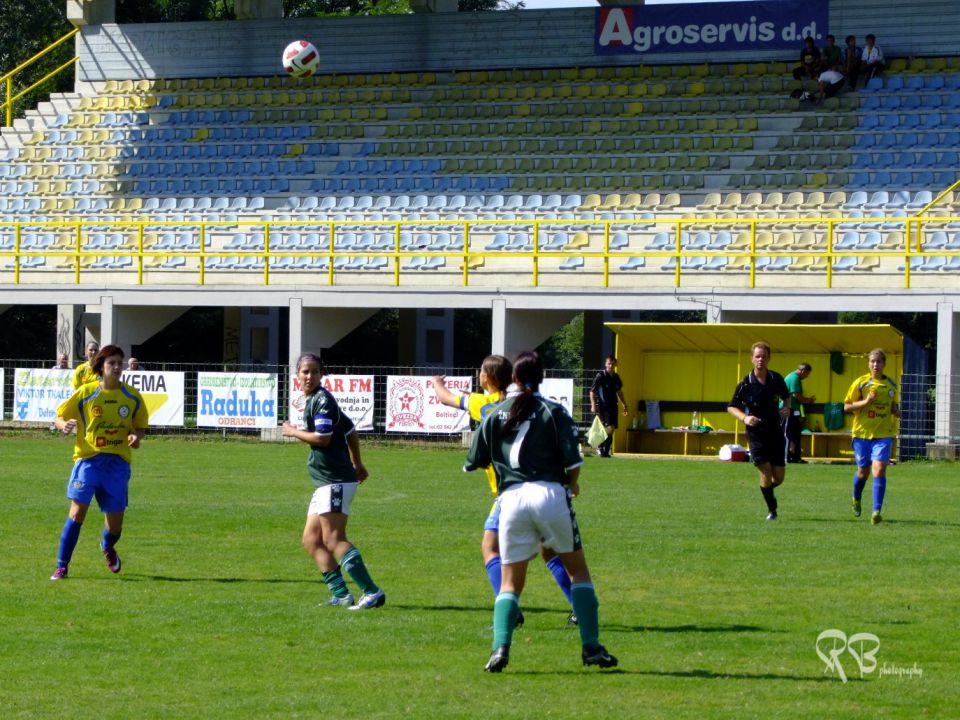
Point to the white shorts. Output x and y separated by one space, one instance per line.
332 498
535 511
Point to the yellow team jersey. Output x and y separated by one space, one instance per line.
478 405
84 374
875 420
104 419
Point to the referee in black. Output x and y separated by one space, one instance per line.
606 390
757 403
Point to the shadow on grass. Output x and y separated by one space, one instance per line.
851 520
527 610
690 674
138 577
613 627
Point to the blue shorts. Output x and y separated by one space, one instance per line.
492 523
868 451
104 476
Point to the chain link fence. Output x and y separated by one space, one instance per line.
930 411
580 400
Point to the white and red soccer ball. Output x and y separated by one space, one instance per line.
301 59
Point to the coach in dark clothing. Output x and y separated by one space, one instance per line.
756 403
606 390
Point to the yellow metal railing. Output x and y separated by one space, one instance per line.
71 251
7 79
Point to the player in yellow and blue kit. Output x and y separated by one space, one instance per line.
110 418
84 373
495 375
872 398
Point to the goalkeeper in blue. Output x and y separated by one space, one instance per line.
533 446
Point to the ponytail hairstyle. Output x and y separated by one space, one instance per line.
527 374
102 355
499 370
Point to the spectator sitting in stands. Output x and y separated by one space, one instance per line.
809 61
871 62
831 82
133 364
63 362
832 56
851 61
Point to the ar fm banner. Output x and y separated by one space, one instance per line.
353 393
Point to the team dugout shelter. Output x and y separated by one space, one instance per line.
672 370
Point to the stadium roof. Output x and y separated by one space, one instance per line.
738 337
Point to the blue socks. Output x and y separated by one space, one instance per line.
109 539
879 490
68 541
555 566
858 486
493 574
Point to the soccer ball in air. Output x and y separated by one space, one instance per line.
301 59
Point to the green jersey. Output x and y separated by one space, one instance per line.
330 464
543 446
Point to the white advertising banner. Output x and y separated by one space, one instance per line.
37 393
559 390
353 393
237 400
413 406
162 392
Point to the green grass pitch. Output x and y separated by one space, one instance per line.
713 612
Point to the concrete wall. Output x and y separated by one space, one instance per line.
455 41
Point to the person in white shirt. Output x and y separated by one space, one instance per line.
871 61
831 82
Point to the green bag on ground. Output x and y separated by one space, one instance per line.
597 432
833 416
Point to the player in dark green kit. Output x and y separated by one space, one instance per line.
533 446
336 470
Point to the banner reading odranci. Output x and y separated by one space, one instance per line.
709 27
237 400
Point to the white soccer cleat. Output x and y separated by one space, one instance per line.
345 601
370 601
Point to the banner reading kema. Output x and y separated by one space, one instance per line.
162 392
709 27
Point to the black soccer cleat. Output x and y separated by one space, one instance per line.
598 655
498 659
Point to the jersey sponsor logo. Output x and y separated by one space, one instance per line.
123 411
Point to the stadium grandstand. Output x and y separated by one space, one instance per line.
532 163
